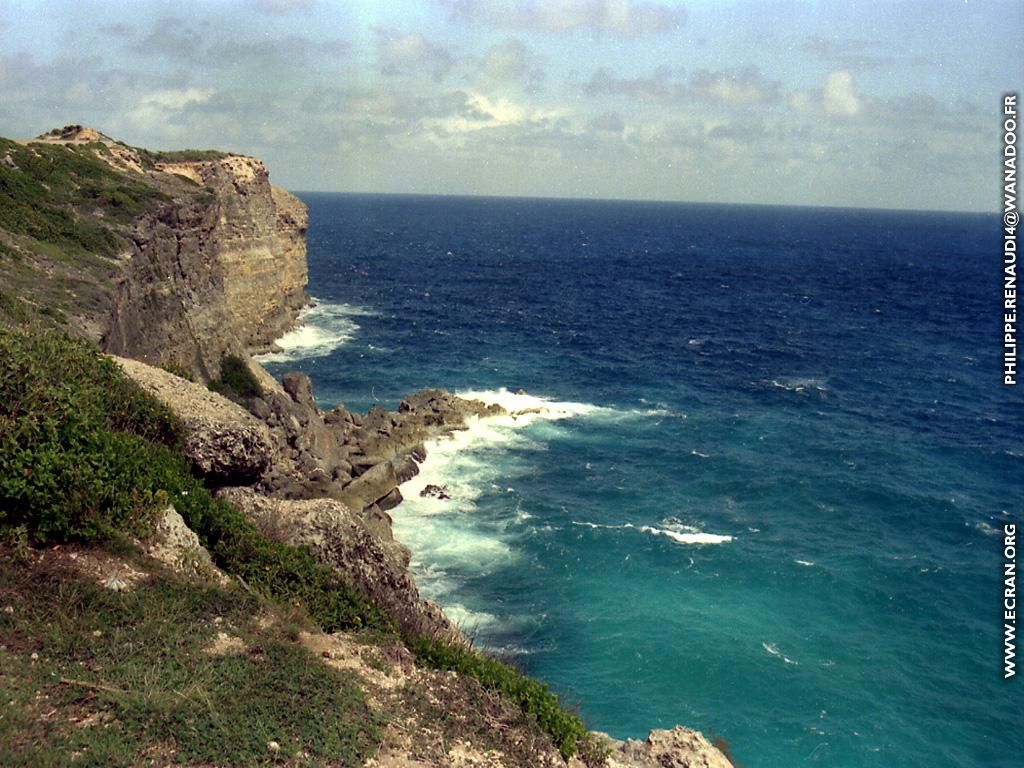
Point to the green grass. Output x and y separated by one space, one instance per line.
86 456
188 155
118 679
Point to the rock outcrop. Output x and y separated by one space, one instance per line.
325 481
677 748
253 236
216 272
228 445
345 542
194 255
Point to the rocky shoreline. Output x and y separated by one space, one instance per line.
209 266
327 480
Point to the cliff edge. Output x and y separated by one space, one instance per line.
176 258
179 265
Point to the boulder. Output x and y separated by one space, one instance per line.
227 453
177 546
226 443
299 388
371 486
435 492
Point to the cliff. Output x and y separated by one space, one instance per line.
178 261
176 258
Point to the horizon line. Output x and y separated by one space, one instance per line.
653 201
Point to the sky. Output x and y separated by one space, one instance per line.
885 104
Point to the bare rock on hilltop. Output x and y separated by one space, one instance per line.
227 444
678 748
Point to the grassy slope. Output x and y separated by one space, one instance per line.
101 678
85 456
64 214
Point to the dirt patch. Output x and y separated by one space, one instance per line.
98 566
226 645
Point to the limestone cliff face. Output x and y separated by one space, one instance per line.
219 270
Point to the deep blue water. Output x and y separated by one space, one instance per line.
767 500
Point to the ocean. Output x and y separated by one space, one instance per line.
761 486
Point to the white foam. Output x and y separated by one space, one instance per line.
469 620
678 533
982 527
688 538
774 651
322 328
801 385
528 408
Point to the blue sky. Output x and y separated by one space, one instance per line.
872 104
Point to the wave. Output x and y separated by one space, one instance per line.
801 386
469 621
983 527
682 534
322 328
772 650
526 407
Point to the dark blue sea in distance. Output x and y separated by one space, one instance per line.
763 487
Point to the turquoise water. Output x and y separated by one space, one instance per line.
763 484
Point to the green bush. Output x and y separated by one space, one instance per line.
52 192
85 455
75 457
236 380
188 155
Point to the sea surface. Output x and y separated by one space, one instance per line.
761 485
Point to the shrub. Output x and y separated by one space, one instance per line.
86 455
75 456
236 380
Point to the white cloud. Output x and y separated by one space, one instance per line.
281 7
746 87
175 99
510 63
839 97
412 54
623 18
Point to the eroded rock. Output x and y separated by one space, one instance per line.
225 442
677 748
343 541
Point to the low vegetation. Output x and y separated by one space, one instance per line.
236 381
185 155
65 216
66 195
93 677
86 457
532 696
